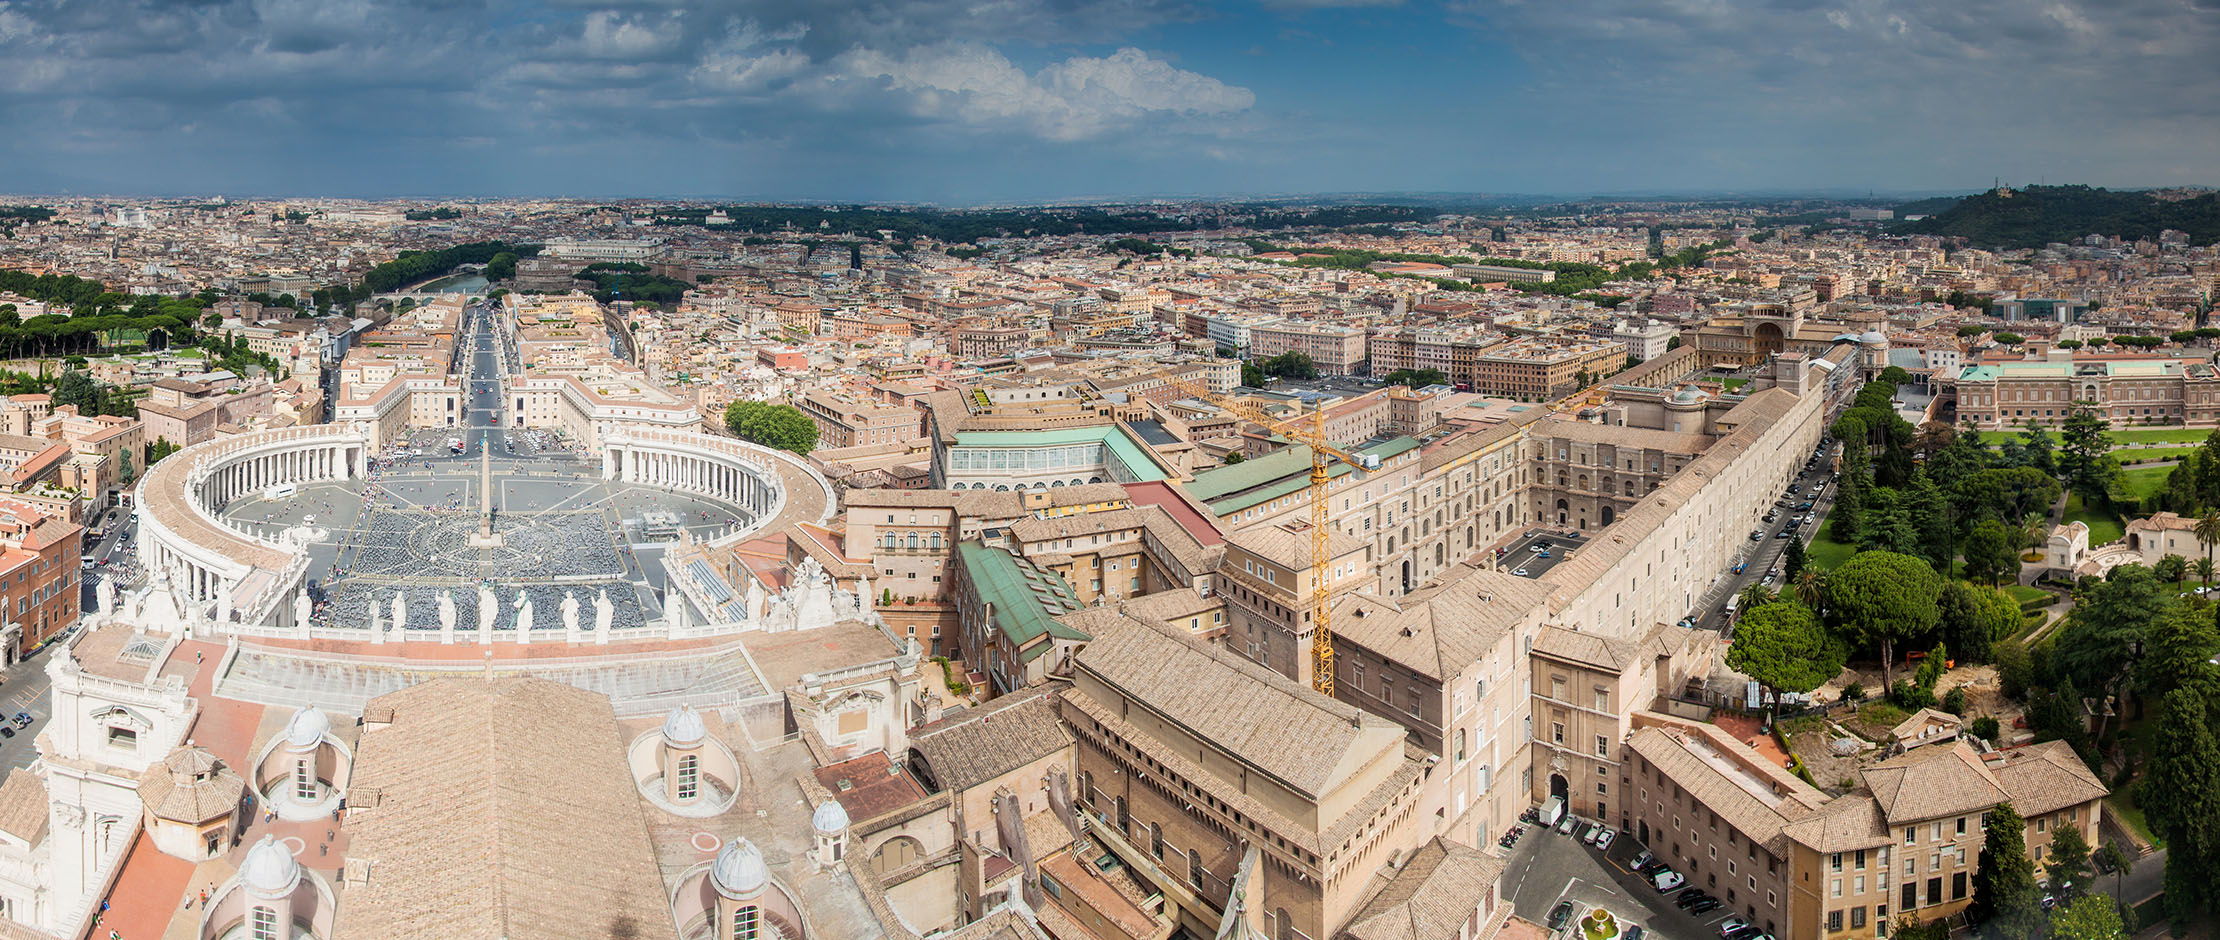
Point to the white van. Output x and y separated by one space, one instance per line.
1553 810
276 493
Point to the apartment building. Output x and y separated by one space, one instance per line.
1806 866
1333 348
1543 369
39 575
1453 352
844 421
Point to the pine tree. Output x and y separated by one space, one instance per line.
2182 799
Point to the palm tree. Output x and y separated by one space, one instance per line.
2204 570
1755 596
2034 531
1811 587
2207 531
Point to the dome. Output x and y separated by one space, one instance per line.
1874 338
1843 338
1688 395
682 727
269 870
831 818
739 873
307 728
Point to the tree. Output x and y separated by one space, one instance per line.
2101 640
2084 454
2181 797
2067 863
2207 531
2111 857
2171 568
2177 652
1757 595
1416 378
1783 647
2205 571
1877 598
2004 893
2095 917
1973 618
1992 553
75 388
784 427
1811 588
1793 560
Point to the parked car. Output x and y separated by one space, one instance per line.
1668 880
1704 906
1689 898
1603 839
1756 534
1643 860
1565 826
1746 933
1588 832
1730 925
1560 914
1632 932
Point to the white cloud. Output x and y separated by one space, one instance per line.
612 35
1077 98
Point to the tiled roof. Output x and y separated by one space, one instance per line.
2047 777
1932 782
169 791
503 810
1430 897
1751 794
1586 649
1439 631
1310 742
983 743
23 806
1849 823
1288 544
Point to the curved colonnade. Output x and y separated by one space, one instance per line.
220 576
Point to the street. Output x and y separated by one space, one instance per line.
1761 556
23 688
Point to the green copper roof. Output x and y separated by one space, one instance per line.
1025 598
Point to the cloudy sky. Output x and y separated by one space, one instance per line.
964 101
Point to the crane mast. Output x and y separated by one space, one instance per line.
1308 428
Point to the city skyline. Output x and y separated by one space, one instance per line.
1036 100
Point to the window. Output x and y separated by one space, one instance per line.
689 777
1603 699
1934 890
1603 746
747 923
1460 745
304 782
1156 841
1557 688
124 738
1557 732
1857 918
1911 835
1834 921
1957 886
263 925
1961 825
1834 862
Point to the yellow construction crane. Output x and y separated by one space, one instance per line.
1309 428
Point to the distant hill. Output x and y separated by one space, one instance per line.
2038 215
